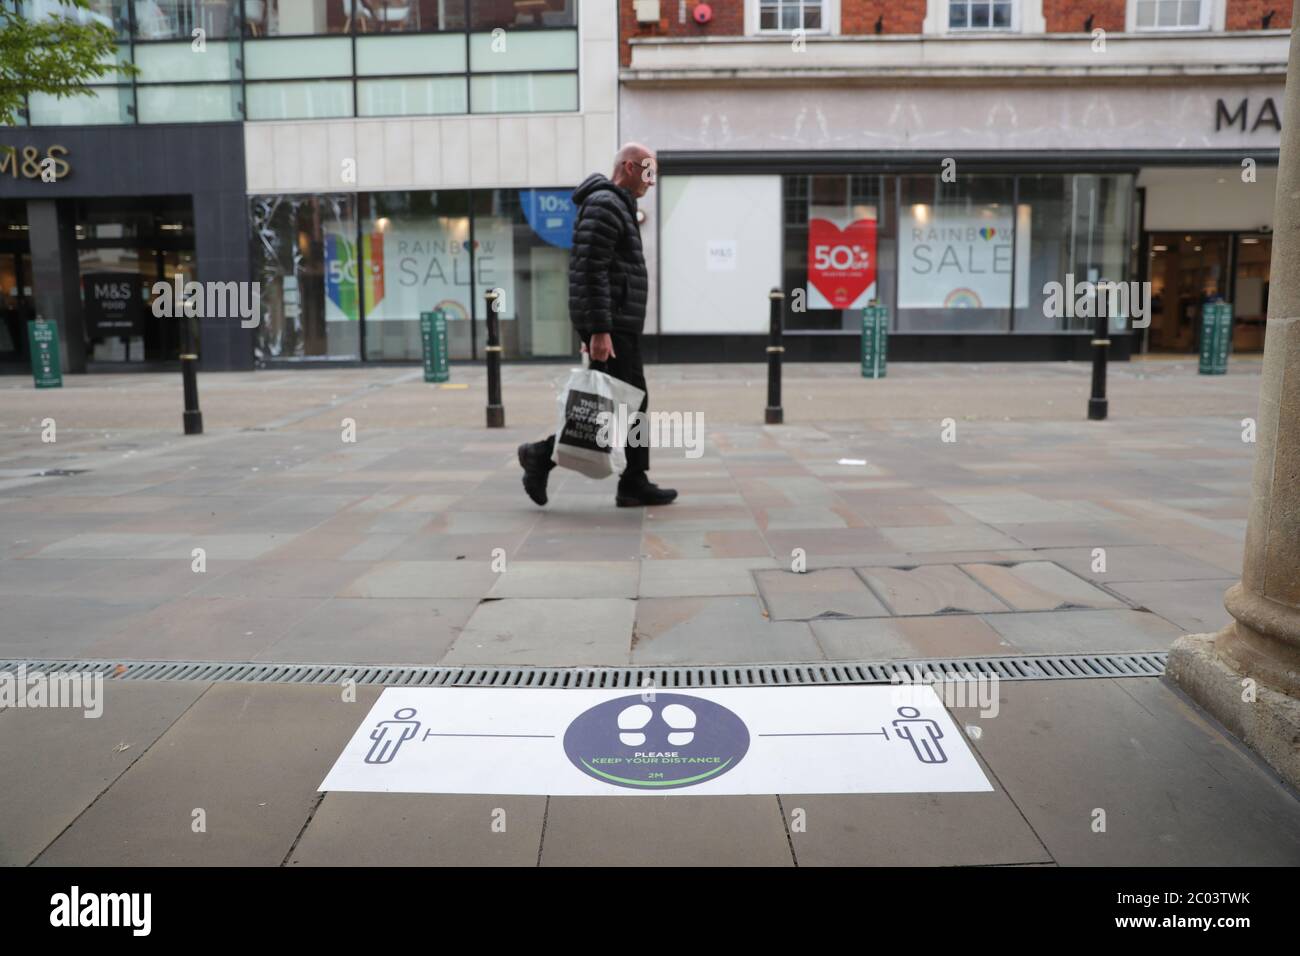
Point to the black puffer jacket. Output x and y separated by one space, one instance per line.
607 275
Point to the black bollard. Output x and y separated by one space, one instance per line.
192 418
1097 404
496 415
775 350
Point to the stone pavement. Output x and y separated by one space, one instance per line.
416 545
1033 532
124 790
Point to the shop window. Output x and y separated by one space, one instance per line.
415 255
957 255
839 249
305 258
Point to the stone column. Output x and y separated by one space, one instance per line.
1248 675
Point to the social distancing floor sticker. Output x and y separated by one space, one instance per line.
750 740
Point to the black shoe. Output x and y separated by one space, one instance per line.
643 494
537 468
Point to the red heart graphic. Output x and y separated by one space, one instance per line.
841 262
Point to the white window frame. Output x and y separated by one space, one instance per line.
830 20
978 31
1213 15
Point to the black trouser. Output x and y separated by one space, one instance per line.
625 366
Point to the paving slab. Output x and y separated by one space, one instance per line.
1141 563
701 577
676 545
665 831
831 592
716 630
57 761
280 578
895 638
929 589
1195 606
1039 586
1085 632
547 632
912 829
953 537
204 629
250 756
421 829
1175 791
374 631
566 579
557 547
66 626
424 579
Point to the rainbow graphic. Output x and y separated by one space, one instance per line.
962 299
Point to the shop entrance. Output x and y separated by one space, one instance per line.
124 246
16 307
1189 269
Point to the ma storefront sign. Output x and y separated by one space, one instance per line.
1264 113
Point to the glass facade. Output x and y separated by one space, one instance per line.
230 60
346 277
972 255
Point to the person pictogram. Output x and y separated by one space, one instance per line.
389 735
922 733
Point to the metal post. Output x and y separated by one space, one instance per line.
496 415
1097 404
775 350
192 418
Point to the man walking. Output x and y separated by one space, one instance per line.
607 300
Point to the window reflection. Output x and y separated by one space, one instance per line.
169 19
487 14
109 13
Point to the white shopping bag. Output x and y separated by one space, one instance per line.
592 429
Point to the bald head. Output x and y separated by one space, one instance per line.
634 169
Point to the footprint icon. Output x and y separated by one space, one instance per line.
630 722
681 720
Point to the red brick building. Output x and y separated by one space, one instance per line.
952 160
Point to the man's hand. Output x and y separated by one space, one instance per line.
601 347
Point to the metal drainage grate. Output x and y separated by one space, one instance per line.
1046 667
